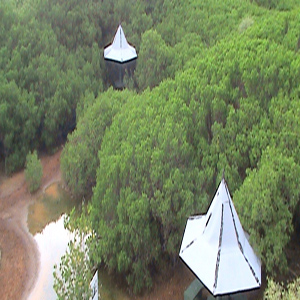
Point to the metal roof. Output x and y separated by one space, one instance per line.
120 51
215 247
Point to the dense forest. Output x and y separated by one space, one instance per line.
216 87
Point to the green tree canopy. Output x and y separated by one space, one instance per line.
80 160
146 186
266 202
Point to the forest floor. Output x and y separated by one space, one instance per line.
19 263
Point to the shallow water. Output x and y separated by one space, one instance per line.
48 208
52 243
46 222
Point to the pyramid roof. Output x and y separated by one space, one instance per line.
215 247
120 51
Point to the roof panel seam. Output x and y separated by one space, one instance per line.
239 243
219 251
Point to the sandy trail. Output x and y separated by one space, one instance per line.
20 258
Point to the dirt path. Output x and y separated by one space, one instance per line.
19 255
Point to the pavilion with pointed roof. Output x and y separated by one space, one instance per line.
216 248
120 57
120 51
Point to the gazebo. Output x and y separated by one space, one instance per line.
216 249
120 57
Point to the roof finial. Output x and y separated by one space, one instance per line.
223 175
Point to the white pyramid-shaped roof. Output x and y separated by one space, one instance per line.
120 51
216 249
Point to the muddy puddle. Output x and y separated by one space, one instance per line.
46 223
54 202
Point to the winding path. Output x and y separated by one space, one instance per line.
19 255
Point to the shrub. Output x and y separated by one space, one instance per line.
33 171
276 291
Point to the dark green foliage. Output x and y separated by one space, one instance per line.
33 171
52 50
19 118
7 16
80 160
276 4
41 82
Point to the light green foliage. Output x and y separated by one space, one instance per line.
266 202
73 275
33 171
286 125
281 27
154 60
276 291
